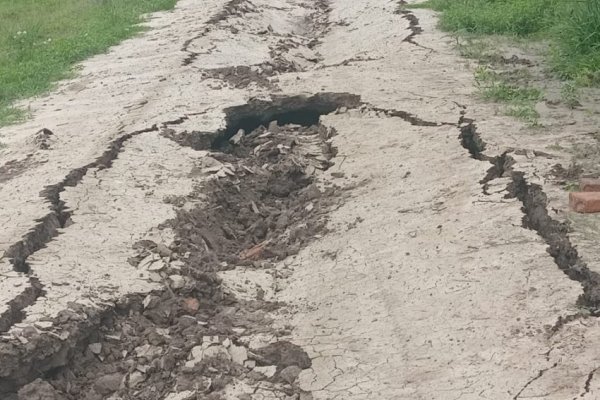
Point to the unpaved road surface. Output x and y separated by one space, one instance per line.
279 199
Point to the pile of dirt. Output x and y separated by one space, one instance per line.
259 203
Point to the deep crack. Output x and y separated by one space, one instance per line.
413 24
48 227
409 117
534 206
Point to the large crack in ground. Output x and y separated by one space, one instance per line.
413 25
534 206
48 227
261 205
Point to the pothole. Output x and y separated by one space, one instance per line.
259 202
300 110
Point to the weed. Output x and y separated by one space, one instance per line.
571 186
495 87
570 94
525 112
10 115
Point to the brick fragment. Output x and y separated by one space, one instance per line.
585 202
589 184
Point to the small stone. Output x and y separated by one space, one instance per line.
155 277
108 384
142 368
268 371
136 378
44 325
196 352
163 250
209 340
95 348
216 351
146 262
148 351
29 331
250 364
191 304
238 354
186 395
290 374
273 127
157 265
227 342
148 300
237 138
177 281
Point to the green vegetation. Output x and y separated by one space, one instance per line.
497 87
569 94
573 27
41 40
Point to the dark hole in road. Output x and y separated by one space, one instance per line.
470 139
299 110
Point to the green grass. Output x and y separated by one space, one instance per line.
41 40
504 88
573 28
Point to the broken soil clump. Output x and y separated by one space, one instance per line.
259 203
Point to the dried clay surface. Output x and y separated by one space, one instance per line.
279 199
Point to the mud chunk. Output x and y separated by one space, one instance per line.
290 374
237 138
95 348
42 138
238 354
268 371
283 354
39 390
163 250
177 281
135 378
108 384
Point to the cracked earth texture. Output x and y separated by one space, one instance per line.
383 235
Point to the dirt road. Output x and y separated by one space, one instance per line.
290 200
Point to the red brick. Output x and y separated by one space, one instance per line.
191 304
589 185
585 202
254 253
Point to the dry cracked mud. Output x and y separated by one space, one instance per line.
294 200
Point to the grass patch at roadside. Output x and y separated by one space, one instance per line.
573 28
504 88
41 40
